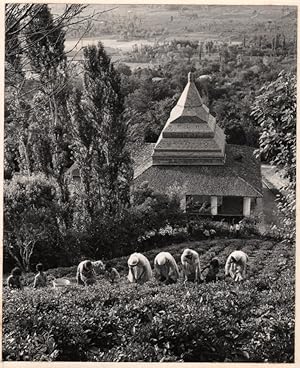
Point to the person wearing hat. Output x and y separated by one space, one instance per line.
166 269
191 265
139 269
236 265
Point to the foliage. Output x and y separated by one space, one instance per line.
275 112
149 213
100 132
30 216
157 116
252 321
48 53
37 122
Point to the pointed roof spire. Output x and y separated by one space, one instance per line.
190 136
190 104
191 77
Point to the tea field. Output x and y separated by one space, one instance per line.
250 321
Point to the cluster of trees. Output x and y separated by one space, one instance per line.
50 124
230 91
275 111
172 50
55 117
259 46
124 27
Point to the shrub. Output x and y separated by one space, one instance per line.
137 227
219 322
31 218
223 321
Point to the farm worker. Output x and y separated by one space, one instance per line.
86 274
231 230
206 233
212 233
236 265
139 268
237 229
166 269
111 273
40 279
98 266
191 265
14 280
213 270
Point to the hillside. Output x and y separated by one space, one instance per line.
169 21
250 321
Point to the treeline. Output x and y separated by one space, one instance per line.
228 84
94 115
141 22
51 122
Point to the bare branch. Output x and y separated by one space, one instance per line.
18 19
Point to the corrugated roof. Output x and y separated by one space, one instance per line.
239 176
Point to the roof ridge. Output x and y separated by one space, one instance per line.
246 182
142 168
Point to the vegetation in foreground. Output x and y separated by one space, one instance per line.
250 321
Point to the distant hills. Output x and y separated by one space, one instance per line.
177 21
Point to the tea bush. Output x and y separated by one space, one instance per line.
250 321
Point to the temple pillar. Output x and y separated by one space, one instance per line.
246 206
214 205
183 203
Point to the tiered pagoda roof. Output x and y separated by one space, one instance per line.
191 153
239 176
191 135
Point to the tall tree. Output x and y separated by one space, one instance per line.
100 133
37 121
48 62
275 111
41 122
35 64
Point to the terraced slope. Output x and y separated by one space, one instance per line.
223 321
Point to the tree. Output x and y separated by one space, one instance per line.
31 216
37 128
156 117
235 133
100 135
49 120
156 209
275 112
18 18
35 82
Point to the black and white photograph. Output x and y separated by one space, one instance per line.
149 182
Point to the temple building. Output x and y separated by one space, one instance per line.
191 155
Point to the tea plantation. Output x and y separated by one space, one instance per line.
250 321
